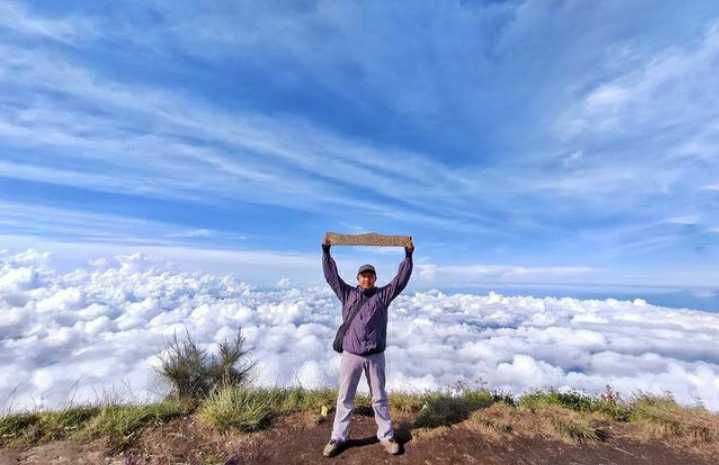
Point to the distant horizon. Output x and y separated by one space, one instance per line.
308 269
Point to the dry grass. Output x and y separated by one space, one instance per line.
568 425
660 417
495 421
549 422
430 432
569 417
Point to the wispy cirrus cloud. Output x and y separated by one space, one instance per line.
17 18
229 156
577 164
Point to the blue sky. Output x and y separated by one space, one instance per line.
518 142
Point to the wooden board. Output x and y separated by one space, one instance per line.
371 238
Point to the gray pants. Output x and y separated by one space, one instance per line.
351 368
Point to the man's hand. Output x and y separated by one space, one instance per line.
326 244
408 249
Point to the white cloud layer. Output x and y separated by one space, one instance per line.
83 333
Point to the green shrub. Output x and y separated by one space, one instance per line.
193 374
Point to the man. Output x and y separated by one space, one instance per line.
363 345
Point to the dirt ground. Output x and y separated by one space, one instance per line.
299 439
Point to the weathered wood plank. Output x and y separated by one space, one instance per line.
371 238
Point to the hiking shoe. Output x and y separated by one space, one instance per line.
332 447
390 445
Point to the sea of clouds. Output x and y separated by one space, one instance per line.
76 336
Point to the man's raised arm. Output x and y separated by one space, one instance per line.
329 267
398 283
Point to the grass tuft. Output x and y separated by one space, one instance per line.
238 407
19 428
570 425
659 416
442 410
495 421
41 426
121 422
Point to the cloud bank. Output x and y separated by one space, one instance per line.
100 329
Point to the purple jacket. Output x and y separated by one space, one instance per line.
368 332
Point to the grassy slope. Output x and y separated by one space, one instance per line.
570 417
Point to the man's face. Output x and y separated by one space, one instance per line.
366 279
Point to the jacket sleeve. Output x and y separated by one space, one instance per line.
398 283
329 267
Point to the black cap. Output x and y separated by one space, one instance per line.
366 267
